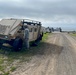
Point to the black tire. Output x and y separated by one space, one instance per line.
17 44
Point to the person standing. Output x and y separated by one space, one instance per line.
26 37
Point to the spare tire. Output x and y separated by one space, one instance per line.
17 44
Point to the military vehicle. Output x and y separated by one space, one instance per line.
12 31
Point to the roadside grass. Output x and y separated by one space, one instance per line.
45 36
73 34
9 61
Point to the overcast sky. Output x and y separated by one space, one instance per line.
53 13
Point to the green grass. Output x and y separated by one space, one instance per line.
6 73
2 68
1 60
13 69
23 56
45 36
73 34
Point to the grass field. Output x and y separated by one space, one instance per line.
73 34
9 60
45 36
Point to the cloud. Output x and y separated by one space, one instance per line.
47 11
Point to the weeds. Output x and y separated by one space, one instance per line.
73 34
13 69
6 73
45 36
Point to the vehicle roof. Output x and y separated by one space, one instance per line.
11 22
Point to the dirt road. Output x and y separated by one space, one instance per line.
57 57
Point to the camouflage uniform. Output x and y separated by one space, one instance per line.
26 38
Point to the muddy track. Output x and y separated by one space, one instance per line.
56 57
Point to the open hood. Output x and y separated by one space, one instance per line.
7 26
